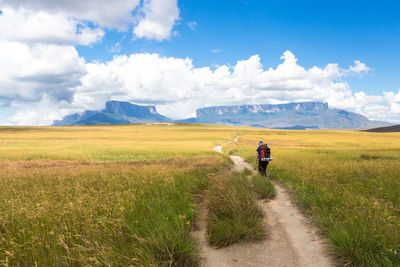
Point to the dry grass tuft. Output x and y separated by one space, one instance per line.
233 213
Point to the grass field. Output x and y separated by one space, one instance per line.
120 196
127 195
110 143
349 182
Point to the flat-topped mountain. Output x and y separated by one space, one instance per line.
245 109
297 116
115 112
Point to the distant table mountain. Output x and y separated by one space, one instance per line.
292 116
115 112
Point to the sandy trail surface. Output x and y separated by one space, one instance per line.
161 123
291 240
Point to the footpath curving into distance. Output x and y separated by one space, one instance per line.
292 239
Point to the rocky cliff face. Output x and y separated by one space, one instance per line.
233 110
115 112
297 116
130 110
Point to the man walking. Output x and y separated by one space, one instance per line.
263 158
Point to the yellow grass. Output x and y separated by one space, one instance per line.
349 182
110 143
103 195
125 195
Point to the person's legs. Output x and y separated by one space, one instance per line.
262 168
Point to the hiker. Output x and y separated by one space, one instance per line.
263 158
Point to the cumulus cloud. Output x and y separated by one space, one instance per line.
43 78
159 17
27 26
393 100
43 112
40 69
358 68
67 21
29 72
114 14
178 88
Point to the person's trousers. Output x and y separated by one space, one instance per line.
262 167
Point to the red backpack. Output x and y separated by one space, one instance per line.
265 152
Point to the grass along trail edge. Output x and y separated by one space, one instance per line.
292 239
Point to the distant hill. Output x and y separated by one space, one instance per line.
389 129
292 116
115 112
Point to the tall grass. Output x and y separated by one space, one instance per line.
233 213
348 182
263 187
118 214
355 202
111 143
125 195
103 195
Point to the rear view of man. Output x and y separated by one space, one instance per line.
263 157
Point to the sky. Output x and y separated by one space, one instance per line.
59 57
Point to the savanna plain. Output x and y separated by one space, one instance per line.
127 195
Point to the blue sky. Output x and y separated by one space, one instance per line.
317 32
213 36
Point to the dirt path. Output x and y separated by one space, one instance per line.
292 240
161 123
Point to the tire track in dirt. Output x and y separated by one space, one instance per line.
292 240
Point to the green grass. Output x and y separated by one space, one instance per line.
104 195
233 213
348 182
111 143
117 214
263 187
126 195
355 203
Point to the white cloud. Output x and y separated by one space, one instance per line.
67 21
359 68
43 78
159 17
394 101
29 72
88 36
30 27
114 14
43 112
178 88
